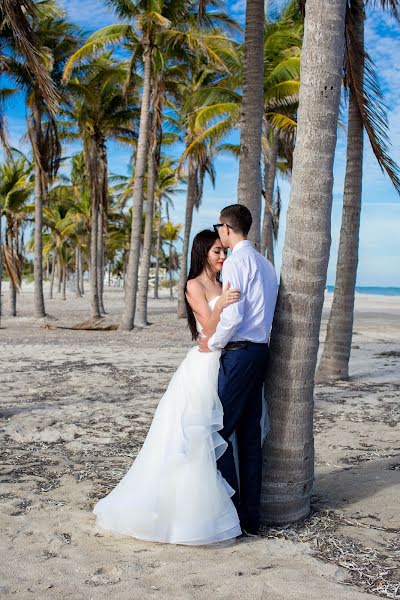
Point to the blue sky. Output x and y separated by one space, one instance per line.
380 223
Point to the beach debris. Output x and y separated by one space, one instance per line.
377 572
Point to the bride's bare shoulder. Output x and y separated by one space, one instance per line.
195 287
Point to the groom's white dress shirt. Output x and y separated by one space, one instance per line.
250 318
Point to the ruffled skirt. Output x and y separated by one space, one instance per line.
173 492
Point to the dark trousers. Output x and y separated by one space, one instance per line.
240 382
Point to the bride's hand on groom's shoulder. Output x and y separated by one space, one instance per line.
229 296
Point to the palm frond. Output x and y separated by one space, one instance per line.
17 14
362 82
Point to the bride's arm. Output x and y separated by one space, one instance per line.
197 299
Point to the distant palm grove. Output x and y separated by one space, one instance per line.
172 80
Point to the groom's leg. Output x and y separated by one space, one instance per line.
235 373
249 443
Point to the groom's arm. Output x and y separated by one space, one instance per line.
232 315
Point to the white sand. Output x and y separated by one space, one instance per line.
75 408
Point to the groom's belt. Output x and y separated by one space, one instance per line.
241 344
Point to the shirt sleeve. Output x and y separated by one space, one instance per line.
232 315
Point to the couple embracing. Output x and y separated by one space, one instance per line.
197 477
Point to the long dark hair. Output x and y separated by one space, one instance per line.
202 244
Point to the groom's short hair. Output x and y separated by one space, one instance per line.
238 217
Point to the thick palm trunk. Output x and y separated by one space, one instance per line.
288 459
334 363
192 193
40 189
53 273
128 316
157 252
141 316
267 234
249 186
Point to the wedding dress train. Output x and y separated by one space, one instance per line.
173 492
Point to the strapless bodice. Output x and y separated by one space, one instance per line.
211 304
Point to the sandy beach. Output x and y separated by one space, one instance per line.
75 408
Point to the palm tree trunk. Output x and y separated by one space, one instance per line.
334 363
81 272
157 252
267 234
171 291
13 288
1 267
60 277
40 190
93 275
78 292
289 449
100 261
127 321
94 171
141 317
64 286
249 185
190 203
53 272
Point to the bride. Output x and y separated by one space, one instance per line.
173 492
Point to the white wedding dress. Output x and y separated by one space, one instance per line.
173 492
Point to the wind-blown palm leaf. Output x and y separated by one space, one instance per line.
283 94
282 122
15 14
285 70
211 134
364 86
110 35
13 264
204 116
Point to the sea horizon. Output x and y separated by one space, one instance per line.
376 290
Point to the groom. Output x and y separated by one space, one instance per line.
242 334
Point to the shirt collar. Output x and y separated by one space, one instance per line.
241 244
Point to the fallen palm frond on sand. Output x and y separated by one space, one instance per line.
100 324
377 572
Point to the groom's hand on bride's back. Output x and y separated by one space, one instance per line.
203 344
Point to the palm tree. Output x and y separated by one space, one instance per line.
60 237
17 30
167 185
170 234
58 38
167 23
282 45
289 449
366 110
16 187
249 185
98 110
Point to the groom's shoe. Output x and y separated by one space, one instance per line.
249 531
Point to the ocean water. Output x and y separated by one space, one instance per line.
381 291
